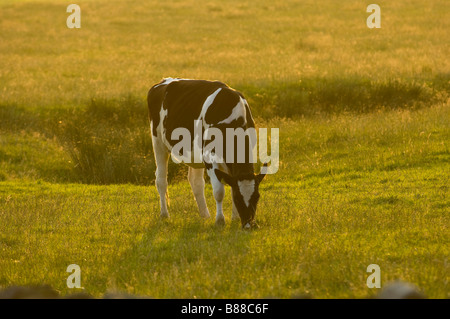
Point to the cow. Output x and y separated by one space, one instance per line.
181 103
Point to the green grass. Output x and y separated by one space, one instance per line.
351 191
364 156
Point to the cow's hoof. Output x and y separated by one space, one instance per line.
250 226
205 216
164 216
220 222
235 218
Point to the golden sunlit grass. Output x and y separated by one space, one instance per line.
123 49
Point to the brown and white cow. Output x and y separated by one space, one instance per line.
176 103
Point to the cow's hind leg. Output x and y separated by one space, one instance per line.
197 181
162 162
219 193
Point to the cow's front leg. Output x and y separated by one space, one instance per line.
219 193
197 182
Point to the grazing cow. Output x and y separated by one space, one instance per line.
190 104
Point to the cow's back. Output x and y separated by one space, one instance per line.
181 102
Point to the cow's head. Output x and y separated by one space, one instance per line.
245 194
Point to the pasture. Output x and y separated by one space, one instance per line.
364 117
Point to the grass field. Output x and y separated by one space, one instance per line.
364 155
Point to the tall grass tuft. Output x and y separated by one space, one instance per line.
334 95
108 139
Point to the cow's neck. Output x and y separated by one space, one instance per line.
242 169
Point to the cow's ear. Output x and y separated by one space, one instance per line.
261 175
224 177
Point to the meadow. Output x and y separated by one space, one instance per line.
364 156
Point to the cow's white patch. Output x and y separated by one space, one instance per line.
209 100
246 188
238 111
168 81
160 129
247 108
